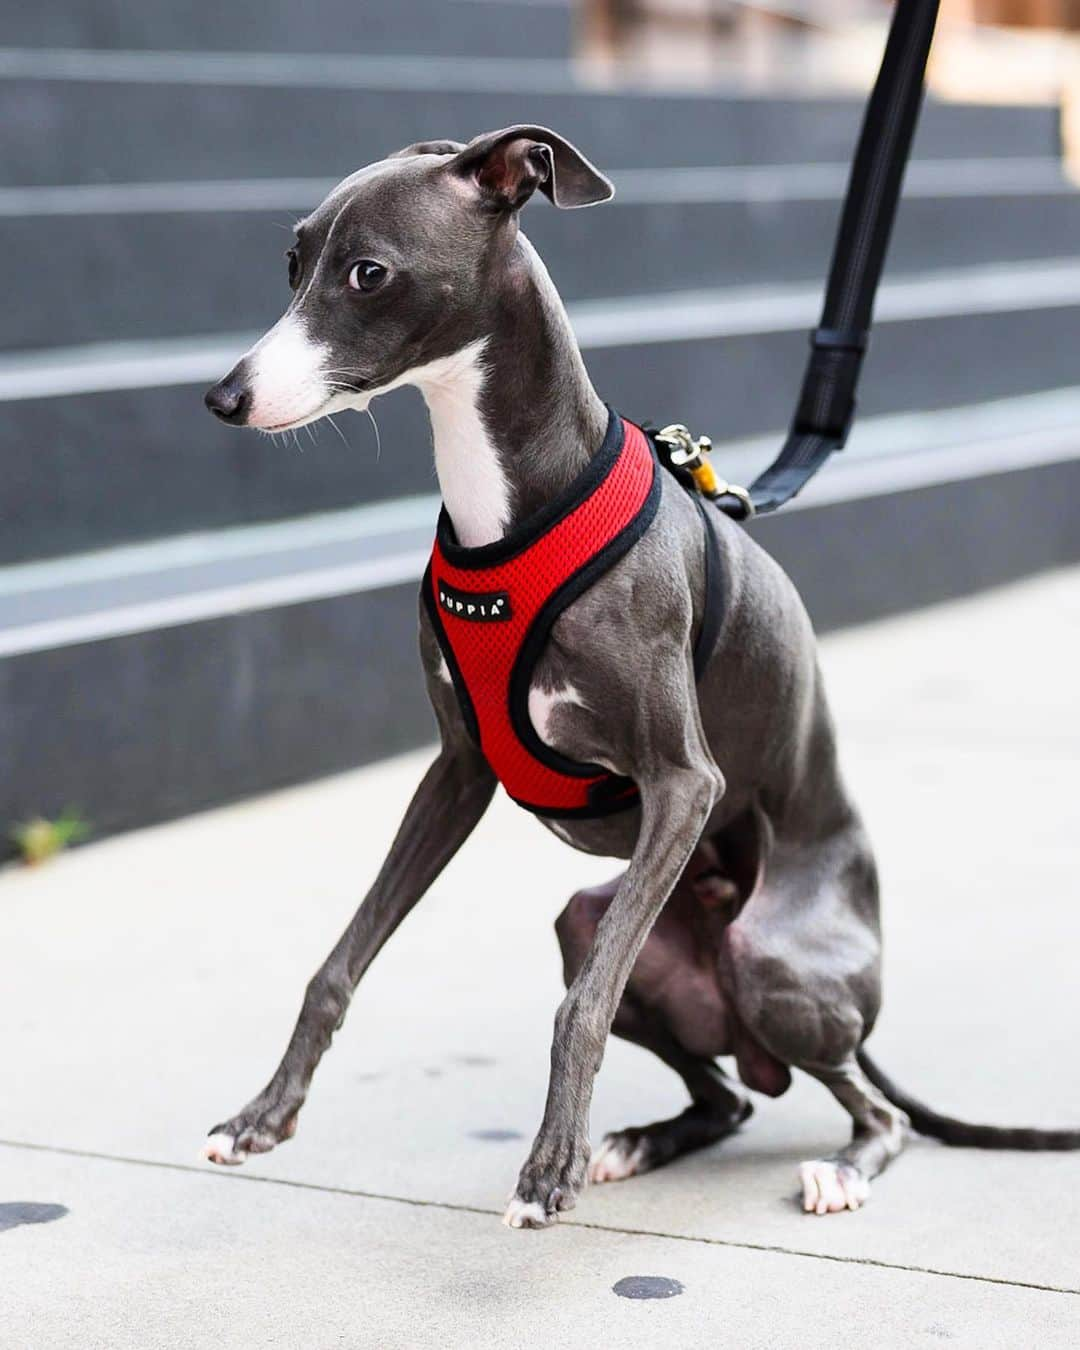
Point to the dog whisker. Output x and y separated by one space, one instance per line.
378 435
341 434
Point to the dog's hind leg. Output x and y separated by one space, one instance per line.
718 1106
802 966
842 1180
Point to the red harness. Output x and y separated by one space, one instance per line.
493 607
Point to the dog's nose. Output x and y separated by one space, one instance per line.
230 400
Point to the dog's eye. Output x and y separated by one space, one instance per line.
294 266
366 275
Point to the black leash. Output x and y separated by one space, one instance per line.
826 406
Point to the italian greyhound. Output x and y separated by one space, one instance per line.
746 922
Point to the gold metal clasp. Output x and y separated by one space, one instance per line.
691 453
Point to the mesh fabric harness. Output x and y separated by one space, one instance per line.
493 607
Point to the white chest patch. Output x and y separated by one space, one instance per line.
544 702
473 485
471 479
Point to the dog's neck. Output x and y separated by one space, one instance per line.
514 417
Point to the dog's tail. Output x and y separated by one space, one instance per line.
961 1133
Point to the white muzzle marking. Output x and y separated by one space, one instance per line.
289 384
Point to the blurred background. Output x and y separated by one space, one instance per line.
189 614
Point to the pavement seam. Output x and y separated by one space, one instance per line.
218 1174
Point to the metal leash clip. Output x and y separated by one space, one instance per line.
691 453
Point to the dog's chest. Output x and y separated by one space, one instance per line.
493 609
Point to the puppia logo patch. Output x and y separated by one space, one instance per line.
480 606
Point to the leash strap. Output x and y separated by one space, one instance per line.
826 407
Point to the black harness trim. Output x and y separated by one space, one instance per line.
468 712
712 614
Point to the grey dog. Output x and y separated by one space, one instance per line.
746 922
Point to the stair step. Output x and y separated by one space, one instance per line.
193 577
111 444
127 245
80 116
422 27
139 683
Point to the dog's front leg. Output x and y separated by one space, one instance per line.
445 808
675 807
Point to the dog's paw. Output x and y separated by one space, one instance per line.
621 1155
527 1214
222 1149
549 1184
832 1187
234 1142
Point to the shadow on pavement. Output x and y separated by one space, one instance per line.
15 1213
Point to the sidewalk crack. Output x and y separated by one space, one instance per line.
777 1249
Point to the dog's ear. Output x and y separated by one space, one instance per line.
508 166
429 148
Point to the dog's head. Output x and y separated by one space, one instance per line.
399 267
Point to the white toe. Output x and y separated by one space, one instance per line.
615 1160
828 1187
855 1186
221 1149
526 1214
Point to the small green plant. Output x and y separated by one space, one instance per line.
40 839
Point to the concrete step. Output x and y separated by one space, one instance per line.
541 28
143 682
128 244
91 117
110 444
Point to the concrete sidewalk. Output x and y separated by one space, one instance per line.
148 984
